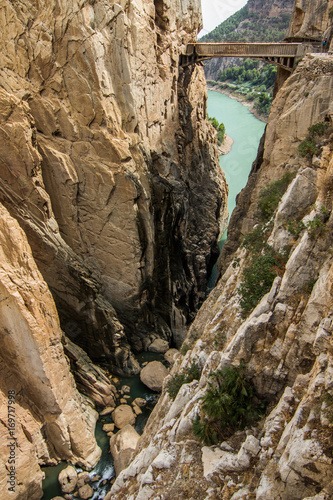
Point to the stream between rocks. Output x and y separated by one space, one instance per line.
104 468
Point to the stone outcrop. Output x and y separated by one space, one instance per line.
108 165
52 421
90 379
310 19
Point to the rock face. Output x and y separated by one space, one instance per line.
111 164
107 165
310 19
284 343
52 420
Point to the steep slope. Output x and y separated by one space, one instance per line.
109 149
282 344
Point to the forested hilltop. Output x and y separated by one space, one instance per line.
257 21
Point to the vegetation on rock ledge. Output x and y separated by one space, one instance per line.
230 404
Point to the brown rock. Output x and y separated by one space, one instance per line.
153 375
170 355
159 346
139 402
86 492
123 415
82 479
68 479
108 427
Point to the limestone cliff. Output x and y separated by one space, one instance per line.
107 163
284 343
41 410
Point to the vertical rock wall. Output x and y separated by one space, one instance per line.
43 417
111 187
112 165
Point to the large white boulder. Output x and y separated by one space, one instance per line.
153 375
122 446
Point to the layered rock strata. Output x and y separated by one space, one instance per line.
108 168
284 344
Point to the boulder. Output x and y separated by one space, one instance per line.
122 416
159 345
139 402
170 355
108 428
86 492
107 411
137 410
82 479
153 375
57 498
122 446
68 479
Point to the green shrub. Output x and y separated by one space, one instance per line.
270 196
315 226
219 127
295 227
310 146
230 404
263 265
174 384
258 278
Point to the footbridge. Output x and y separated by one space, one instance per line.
281 54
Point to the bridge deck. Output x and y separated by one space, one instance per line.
244 49
282 54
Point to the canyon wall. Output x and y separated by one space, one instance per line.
111 170
43 418
111 199
283 343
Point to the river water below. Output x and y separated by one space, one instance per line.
246 131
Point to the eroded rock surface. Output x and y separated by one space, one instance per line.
111 164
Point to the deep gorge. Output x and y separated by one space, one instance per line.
111 204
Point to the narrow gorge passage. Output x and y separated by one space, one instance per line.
246 131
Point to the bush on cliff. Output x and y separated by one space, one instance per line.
230 404
188 375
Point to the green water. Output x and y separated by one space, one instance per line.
246 131
105 468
